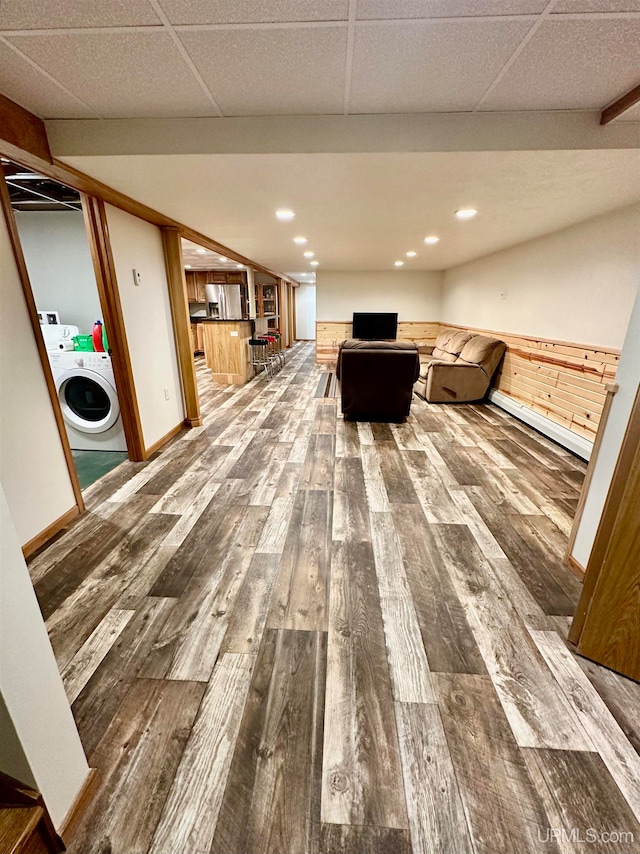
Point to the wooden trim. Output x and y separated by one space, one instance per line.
294 314
611 389
530 338
630 99
27 291
50 531
283 311
172 244
610 510
84 183
98 233
80 805
22 131
576 568
167 437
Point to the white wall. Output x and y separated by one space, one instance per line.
628 379
56 250
574 285
414 295
33 469
31 686
147 316
305 297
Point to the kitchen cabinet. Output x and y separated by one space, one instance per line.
197 279
226 350
267 300
197 338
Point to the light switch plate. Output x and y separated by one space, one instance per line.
137 278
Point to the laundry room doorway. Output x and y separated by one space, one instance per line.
52 232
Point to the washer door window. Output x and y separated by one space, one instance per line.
89 402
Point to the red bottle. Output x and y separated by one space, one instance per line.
96 335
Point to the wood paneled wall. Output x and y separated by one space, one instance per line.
564 381
329 334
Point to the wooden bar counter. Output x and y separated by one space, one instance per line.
226 350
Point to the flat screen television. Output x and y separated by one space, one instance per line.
375 326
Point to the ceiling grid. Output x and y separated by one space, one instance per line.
339 57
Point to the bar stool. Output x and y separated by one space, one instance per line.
273 353
260 359
278 347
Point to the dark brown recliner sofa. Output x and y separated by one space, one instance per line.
459 368
376 379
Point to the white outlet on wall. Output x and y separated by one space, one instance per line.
166 394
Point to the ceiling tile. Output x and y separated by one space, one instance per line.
48 14
28 87
571 64
596 6
428 66
386 9
120 75
253 11
274 71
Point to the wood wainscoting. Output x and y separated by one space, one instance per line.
329 334
564 381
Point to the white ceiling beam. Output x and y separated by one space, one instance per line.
523 131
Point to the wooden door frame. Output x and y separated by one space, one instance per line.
104 268
32 311
177 283
610 510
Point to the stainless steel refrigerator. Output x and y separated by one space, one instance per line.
224 302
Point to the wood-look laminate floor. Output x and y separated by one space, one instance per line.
288 634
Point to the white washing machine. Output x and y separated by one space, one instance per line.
87 393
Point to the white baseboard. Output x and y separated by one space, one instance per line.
569 440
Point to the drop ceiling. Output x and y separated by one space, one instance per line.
178 59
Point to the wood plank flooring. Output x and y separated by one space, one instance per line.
291 634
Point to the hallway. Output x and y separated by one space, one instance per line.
291 634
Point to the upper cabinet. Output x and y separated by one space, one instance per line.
195 285
197 279
267 300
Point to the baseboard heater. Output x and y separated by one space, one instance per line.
569 440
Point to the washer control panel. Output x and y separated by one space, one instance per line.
93 361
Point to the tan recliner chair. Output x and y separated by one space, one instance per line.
460 367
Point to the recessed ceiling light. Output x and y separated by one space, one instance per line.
411 254
309 254
314 263
201 251
240 266
398 263
187 266
299 239
285 213
431 239
222 258
466 213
